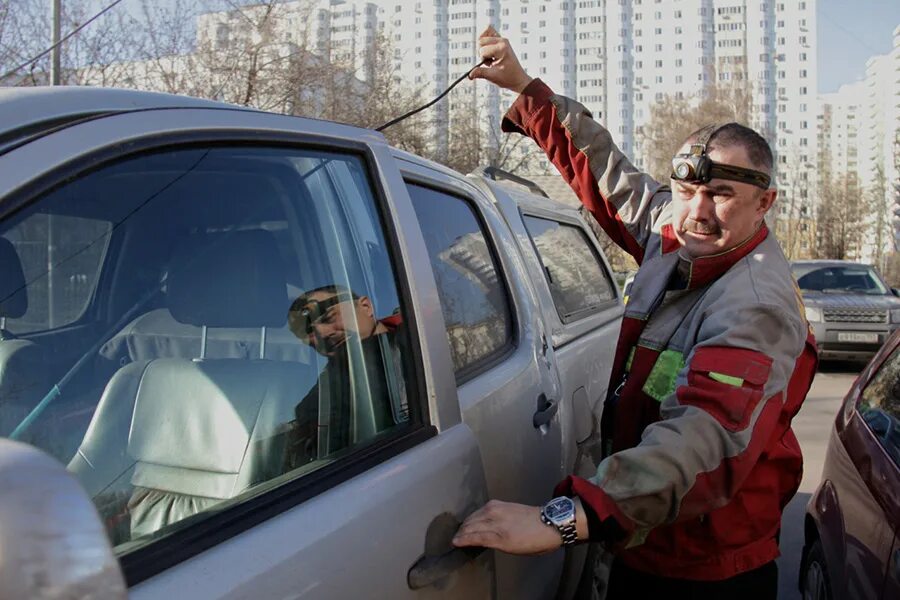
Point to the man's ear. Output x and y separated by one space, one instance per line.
767 199
367 305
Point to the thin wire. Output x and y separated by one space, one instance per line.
423 107
60 42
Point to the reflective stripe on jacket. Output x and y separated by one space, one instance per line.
704 459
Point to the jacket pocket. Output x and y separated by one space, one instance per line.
727 383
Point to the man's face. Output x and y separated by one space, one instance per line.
340 321
713 217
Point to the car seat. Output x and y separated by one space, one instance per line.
177 435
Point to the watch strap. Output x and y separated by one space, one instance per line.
568 533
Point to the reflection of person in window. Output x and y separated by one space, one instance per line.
363 353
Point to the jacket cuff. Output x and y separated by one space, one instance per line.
535 96
606 523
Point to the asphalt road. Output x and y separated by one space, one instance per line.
813 426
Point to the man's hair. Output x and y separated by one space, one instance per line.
734 134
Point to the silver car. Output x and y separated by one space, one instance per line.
274 357
851 309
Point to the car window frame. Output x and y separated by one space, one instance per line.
587 312
235 517
489 362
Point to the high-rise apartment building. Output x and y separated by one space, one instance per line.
880 144
841 116
859 141
341 31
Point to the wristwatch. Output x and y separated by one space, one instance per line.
560 513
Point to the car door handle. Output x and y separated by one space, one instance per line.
430 569
546 409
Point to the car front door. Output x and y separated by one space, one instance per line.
507 384
264 410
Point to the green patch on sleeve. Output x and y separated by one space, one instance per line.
661 381
735 381
630 359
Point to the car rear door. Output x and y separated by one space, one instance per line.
370 517
506 381
580 304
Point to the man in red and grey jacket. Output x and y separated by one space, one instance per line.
714 359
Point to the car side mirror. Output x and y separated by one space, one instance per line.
52 543
896 291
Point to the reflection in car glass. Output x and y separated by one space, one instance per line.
880 405
182 327
577 281
473 300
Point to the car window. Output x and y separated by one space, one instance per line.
248 331
578 281
879 405
473 298
60 256
850 279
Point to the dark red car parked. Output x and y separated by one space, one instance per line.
852 530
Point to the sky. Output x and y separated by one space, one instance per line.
850 32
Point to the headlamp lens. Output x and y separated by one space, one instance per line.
683 170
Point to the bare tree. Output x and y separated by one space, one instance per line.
792 216
839 218
21 37
885 227
385 97
891 269
876 211
476 141
673 119
280 57
99 54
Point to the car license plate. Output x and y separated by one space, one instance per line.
856 336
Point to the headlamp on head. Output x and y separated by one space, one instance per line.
305 312
697 167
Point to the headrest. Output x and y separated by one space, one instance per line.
231 279
13 298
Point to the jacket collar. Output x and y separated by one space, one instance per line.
700 271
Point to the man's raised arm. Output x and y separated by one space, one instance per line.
624 201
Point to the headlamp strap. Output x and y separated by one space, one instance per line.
723 171
703 141
751 176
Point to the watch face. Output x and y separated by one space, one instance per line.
559 509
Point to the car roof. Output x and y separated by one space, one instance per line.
419 160
28 110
